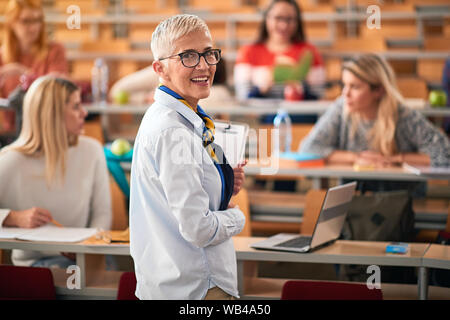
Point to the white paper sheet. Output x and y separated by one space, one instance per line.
49 233
232 137
11 233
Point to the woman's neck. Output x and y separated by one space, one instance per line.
26 48
277 46
369 114
191 103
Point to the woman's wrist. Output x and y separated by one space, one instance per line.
354 157
9 221
398 158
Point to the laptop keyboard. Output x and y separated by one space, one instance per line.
298 242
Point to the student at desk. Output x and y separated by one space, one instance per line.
51 172
281 41
181 218
370 126
26 50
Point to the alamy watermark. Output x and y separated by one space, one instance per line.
263 149
74 20
74 280
374 20
374 280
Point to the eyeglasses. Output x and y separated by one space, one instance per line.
191 59
31 21
287 20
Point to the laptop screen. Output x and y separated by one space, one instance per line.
332 216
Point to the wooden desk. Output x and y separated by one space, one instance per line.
104 284
94 280
341 252
437 256
283 168
261 107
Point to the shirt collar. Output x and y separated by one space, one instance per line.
181 108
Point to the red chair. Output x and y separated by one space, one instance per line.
326 290
127 287
26 283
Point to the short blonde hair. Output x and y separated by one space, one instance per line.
43 130
172 29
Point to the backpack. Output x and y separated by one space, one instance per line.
380 216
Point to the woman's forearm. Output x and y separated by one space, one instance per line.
341 157
415 158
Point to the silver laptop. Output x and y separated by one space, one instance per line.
327 229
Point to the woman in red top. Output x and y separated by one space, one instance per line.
26 51
281 41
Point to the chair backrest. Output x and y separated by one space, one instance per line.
127 286
311 211
413 87
437 43
116 46
372 44
328 290
447 226
299 132
26 283
430 70
241 199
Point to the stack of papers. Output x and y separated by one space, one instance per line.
48 233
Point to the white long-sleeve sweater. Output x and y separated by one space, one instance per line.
83 200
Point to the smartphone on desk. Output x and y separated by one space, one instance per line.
397 247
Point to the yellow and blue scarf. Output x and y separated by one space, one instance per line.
225 171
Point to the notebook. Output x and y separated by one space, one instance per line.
327 229
49 233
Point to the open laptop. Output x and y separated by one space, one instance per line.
327 229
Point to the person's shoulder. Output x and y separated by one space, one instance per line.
249 51
89 144
301 46
160 119
11 159
253 46
54 46
407 114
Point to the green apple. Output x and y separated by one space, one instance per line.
438 98
121 97
120 146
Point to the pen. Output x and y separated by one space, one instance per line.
56 223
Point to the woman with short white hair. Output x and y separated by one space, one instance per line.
51 171
181 218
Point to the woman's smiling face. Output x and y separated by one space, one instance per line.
194 83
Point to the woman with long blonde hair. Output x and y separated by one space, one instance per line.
50 171
25 50
369 124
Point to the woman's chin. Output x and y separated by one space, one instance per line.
204 94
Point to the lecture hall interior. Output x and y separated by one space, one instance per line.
394 201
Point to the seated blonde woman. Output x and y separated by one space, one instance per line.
370 125
53 172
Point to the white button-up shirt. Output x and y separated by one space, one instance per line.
180 243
